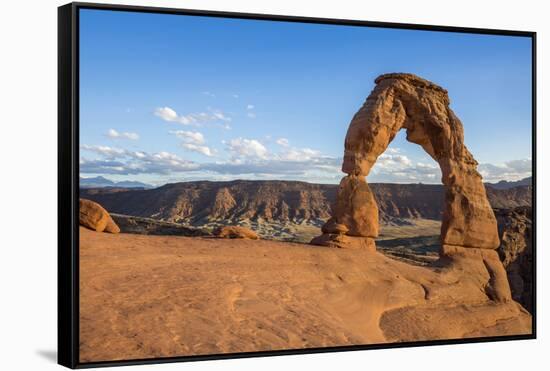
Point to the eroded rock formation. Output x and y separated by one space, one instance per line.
405 101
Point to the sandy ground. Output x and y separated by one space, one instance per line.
157 296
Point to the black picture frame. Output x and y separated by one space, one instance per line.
68 180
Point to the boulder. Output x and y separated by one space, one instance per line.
95 217
235 232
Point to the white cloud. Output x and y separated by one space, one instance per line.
104 150
249 158
236 96
194 141
189 136
204 150
283 142
218 115
392 150
394 167
166 113
510 170
209 94
112 133
393 161
250 114
170 115
246 148
122 161
299 154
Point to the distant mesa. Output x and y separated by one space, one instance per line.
232 231
101 182
96 218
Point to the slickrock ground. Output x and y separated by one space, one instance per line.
154 296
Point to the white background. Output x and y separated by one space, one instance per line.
28 155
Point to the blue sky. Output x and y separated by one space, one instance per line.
166 98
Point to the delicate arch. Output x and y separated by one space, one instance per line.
405 101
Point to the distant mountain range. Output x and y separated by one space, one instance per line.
100 182
202 202
504 184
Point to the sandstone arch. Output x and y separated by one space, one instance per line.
405 101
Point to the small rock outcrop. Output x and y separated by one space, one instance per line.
234 231
95 217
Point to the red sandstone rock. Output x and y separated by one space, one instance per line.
355 207
95 217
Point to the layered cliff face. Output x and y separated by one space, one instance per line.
280 201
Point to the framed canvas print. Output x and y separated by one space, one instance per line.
235 185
